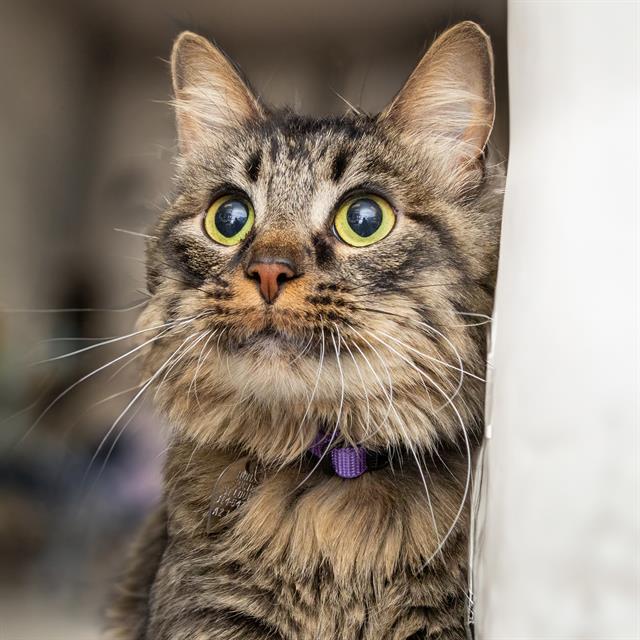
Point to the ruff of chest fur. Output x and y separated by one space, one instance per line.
366 533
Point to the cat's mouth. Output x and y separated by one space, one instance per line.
272 333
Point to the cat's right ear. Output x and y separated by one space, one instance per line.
447 106
209 94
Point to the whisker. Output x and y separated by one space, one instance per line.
387 394
415 368
82 379
458 283
304 350
135 233
194 381
464 494
112 340
411 447
137 305
315 386
339 417
352 107
407 319
145 386
26 409
337 350
364 386
115 395
178 280
468 448
429 503
460 369
78 339
115 443
426 388
456 353
198 336
123 366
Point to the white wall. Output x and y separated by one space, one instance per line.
561 538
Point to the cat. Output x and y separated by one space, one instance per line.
315 335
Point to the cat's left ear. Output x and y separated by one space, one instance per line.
448 103
209 94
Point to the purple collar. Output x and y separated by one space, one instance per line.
346 462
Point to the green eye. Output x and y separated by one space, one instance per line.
229 219
363 220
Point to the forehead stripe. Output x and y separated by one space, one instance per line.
253 166
339 165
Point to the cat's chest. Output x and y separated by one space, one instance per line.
202 594
329 558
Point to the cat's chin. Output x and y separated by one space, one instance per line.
281 368
268 343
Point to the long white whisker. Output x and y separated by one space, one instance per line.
430 505
388 394
466 439
415 368
26 409
124 366
134 233
86 377
315 386
78 339
145 386
115 395
485 318
413 452
460 369
387 369
115 442
137 305
117 339
464 495
400 424
304 350
338 351
201 360
339 417
364 387
196 339
455 351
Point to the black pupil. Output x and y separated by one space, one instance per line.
364 217
231 217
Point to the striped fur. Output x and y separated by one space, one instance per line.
381 346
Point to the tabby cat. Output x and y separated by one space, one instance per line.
314 335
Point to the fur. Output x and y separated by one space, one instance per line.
381 346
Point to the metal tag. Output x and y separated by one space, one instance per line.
232 489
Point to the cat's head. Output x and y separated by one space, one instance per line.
326 273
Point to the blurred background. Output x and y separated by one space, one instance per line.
86 148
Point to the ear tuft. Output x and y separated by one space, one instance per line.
209 94
448 103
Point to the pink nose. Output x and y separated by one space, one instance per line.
271 276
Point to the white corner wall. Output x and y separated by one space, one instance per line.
561 539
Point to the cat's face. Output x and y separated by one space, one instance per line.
320 273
